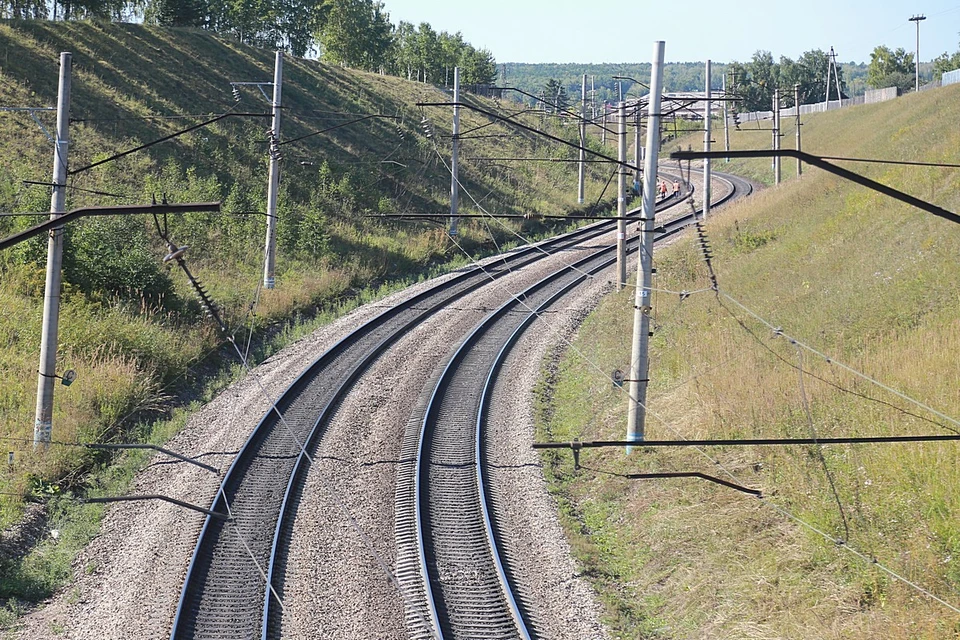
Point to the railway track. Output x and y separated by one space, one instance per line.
449 550
224 593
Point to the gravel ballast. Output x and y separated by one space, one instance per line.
337 584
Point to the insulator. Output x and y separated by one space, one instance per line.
236 93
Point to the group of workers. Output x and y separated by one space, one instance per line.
661 188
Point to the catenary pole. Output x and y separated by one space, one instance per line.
270 250
639 362
47 373
637 147
706 145
455 156
796 103
726 123
621 195
582 169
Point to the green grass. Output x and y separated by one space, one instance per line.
856 275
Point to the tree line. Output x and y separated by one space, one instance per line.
353 33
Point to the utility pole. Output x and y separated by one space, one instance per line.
917 20
776 135
637 149
621 196
726 123
639 362
603 126
832 64
43 425
706 147
455 158
796 103
270 258
583 140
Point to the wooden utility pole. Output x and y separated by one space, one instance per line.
639 362
43 424
455 157
273 186
582 169
706 145
621 196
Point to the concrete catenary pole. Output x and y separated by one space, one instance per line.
621 196
455 157
43 425
582 169
776 135
637 148
706 144
796 103
917 20
270 251
726 123
639 362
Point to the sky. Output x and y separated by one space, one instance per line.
693 30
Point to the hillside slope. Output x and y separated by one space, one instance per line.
811 274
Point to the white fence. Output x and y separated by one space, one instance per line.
870 97
950 77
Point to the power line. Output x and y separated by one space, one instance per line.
168 137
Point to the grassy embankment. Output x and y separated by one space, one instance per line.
864 279
130 328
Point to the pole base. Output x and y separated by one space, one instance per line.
42 430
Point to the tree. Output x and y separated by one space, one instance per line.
24 9
426 47
755 81
477 66
178 13
452 48
357 33
944 63
403 60
890 69
554 93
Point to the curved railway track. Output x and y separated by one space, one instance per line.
224 593
446 524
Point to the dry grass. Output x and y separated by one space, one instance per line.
857 276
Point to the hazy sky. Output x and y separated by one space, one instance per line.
694 30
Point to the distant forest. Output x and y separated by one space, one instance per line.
677 76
